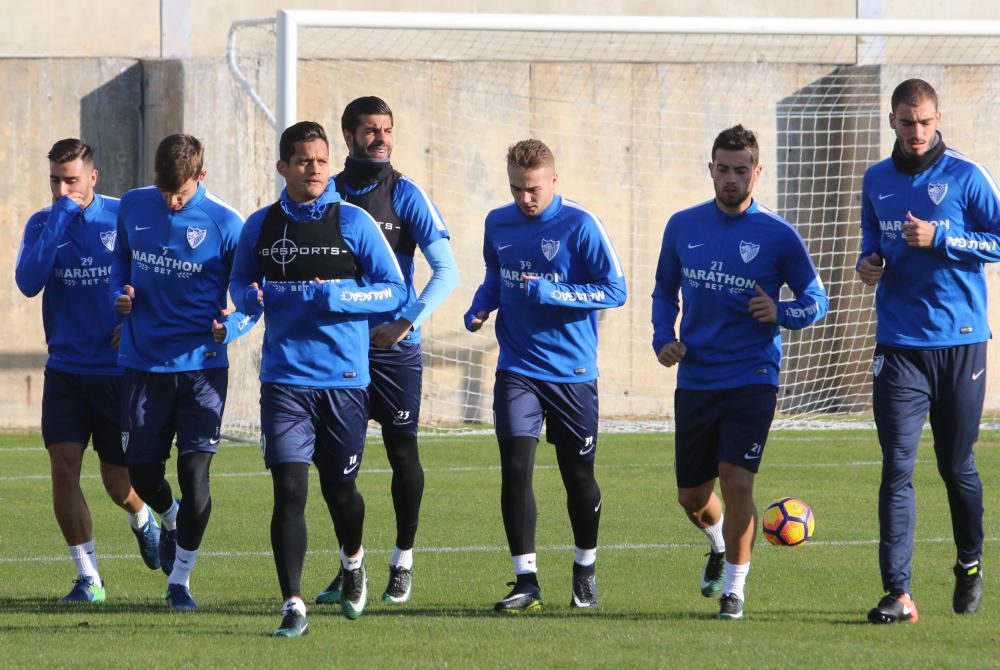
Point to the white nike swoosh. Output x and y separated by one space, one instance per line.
907 610
751 457
143 227
504 246
979 374
695 246
599 503
215 441
351 469
62 245
883 197
584 452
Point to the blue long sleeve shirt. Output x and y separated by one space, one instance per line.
67 251
425 225
316 335
715 261
934 297
548 331
179 264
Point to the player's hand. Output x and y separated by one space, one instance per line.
385 335
260 294
762 307
123 305
918 233
73 196
526 278
671 353
481 317
116 336
219 329
871 268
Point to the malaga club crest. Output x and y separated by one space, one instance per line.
108 239
877 362
195 236
550 248
748 251
937 192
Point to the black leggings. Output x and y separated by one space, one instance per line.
149 482
407 484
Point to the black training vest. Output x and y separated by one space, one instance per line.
379 203
290 250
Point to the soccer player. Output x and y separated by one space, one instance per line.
930 219
318 267
175 248
66 251
408 220
728 258
550 266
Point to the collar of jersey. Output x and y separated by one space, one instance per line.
309 211
547 213
94 209
752 209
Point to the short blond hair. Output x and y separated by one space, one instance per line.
530 154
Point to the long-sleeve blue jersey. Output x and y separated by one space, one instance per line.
316 335
549 331
716 261
179 264
417 222
934 297
67 251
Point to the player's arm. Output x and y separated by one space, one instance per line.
247 279
122 292
233 323
871 263
980 241
487 297
36 258
430 233
607 286
381 288
666 304
811 302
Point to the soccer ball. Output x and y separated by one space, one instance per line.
788 522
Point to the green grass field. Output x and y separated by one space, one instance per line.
805 606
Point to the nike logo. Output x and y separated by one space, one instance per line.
695 246
979 374
62 245
751 457
598 508
887 195
214 441
584 452
351 469
143 227
907 611
504 246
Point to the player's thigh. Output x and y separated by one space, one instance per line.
901 399
149 401
517 408
696 437
342 424
65 410
395 389
200 404
745 424
571 417
957 403
287 423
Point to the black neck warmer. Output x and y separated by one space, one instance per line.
360 172
915 164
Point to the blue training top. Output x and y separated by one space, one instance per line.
716 261
68 251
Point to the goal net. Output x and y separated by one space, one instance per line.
630 107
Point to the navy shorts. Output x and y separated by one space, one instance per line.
327 427
159 405
396 379
77 407
728 425
569 410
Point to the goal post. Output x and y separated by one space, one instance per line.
630 106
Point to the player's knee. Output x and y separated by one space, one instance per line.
118 487
146 478
693 501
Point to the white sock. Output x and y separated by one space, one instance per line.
183 564
714 533
139 519
169 518
85 559
295 603
585 557
968 565
525 564
352 562
736 579
402 558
